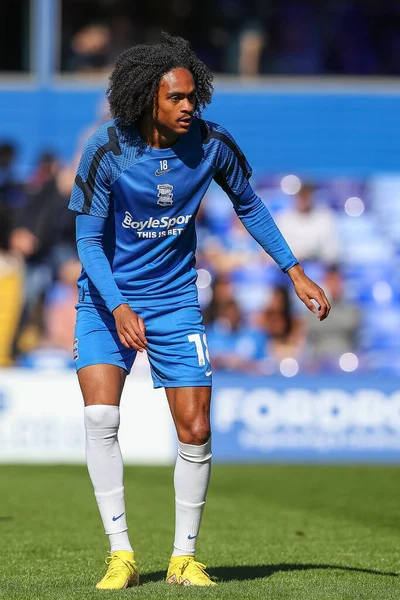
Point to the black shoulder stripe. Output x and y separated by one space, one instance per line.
204 131
87 187
221 181
235 149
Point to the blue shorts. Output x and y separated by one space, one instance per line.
177 345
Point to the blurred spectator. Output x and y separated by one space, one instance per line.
59 310
54 346
234 347
338 334
90 49
233 248
222 294
12 194
12 198
11 286
46 169
45 238
310 229
46 224
284 331
232 251
251 44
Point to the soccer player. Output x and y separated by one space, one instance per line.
137 191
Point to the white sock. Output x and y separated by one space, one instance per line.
191 478
106 470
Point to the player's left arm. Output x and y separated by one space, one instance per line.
258 221
233 175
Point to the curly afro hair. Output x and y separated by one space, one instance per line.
135 80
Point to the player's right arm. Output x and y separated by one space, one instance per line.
89 236
90 200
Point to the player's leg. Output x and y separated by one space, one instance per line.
179 361
102 364
190 409
101 387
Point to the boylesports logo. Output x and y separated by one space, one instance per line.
151 223
165 194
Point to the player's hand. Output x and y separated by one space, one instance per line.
307 291
130 328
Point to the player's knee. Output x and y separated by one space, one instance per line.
195 434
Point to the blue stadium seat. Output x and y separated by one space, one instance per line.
380 328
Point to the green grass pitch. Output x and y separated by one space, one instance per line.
269 532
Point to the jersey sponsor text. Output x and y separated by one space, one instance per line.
164 223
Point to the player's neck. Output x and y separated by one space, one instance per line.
155 134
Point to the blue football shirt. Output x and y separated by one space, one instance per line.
149 198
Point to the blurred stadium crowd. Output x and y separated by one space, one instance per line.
343 231
248 37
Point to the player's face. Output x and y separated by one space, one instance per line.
176 101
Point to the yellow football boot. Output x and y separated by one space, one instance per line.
185 570
122 571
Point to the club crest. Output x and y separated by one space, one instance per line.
165 195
